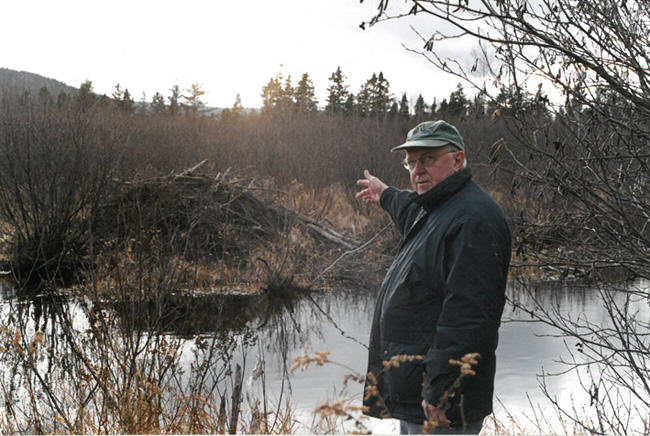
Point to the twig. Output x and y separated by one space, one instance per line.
347 253
361 247
189 171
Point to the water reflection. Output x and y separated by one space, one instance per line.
187 316
590 350
190 347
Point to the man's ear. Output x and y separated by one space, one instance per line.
460 158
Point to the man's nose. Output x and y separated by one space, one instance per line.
419 166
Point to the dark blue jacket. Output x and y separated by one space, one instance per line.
442 298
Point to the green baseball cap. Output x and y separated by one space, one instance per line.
432 134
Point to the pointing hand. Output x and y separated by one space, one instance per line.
373 188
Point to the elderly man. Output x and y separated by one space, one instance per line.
443 296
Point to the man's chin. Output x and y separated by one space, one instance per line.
421 188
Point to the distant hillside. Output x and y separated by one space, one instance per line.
11 80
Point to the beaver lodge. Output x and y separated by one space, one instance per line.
192 232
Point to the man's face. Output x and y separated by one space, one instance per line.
431 166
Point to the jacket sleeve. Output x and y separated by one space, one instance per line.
476 256
398 204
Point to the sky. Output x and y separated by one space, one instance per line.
229 47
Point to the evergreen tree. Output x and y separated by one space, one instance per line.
305 96
420 108
350 104
85 97
434 107
61 100
374 96
237 108
45 100
118 94
158 104
380 96
443 111
279 95
286 100
193 103
104 101
142 104
479 106
364 96
233 113
513 100
174 104
458 102
394 110
337 92
271 93
404 107
44 97
127 104
122 99
539 102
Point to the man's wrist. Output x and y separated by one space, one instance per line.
382 195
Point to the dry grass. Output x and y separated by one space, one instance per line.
334 205
96 382
333 415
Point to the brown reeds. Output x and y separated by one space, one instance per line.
102 378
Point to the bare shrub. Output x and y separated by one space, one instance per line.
56 166
577 156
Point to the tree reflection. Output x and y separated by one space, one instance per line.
606 334
171 364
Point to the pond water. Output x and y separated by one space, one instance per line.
526 351
339 323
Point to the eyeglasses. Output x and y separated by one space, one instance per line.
428 160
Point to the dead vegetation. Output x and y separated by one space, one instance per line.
199 232
193 213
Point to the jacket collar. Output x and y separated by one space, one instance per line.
443 190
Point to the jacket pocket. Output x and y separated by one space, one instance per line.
404 371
